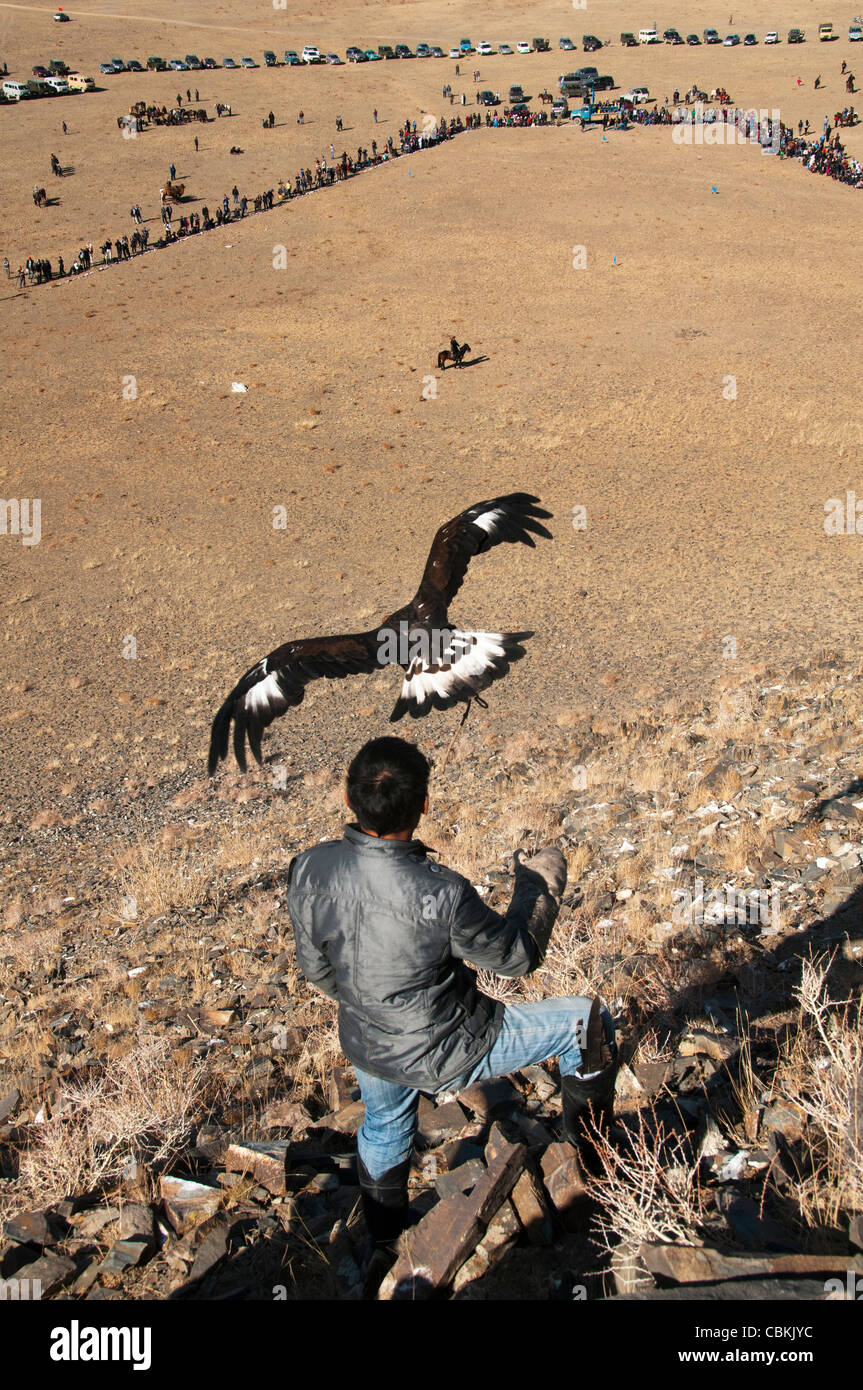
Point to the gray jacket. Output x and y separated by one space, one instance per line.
385 931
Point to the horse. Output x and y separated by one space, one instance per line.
40 197
454 353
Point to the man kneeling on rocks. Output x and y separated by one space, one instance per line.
385 931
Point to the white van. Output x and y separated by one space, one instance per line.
648 36
60 85
79 83
15 91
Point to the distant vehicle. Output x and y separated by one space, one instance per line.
39 87
855 33
423 50
731 40
487 98
157 65
520 108
590 43
541 45
455 53
39 71
628 40
229 63
522 47
193 62
402 51
270 59
385 51
58 84
465 46
79 83
636 94
567 45
484 50
505 49
711 36
516 93
693 40
106 69
560 107
210 64
292 57
61 17
116 63
351 53
134 66
826 33
772 37
248 63
16 91
796 36
749 41
177 65
333 58
372 56
648 36
437 52
309 53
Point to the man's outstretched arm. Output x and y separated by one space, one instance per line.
513 943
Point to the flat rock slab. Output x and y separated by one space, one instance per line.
433 1250
35 1228
700 1043
459 1180
187 1202
692 1264
92 1222
488 1098
264 1162
124 1254
754 1290
137 1223
532 1211
51 1271
437 1122
564 1181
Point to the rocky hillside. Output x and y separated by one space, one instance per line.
176 1118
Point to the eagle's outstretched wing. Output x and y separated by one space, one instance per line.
279 681
510 518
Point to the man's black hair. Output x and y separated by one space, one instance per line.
387 785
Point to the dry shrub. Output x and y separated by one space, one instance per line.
822 1072
647 1190
141 1107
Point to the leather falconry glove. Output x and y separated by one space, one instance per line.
539 884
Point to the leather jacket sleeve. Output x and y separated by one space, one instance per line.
489 940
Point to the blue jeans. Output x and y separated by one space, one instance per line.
530 1033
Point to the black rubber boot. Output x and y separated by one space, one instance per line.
385 1202
589 1102
387 1214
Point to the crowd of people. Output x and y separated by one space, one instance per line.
234 208
822 154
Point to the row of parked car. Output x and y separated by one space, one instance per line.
55 80
826 33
